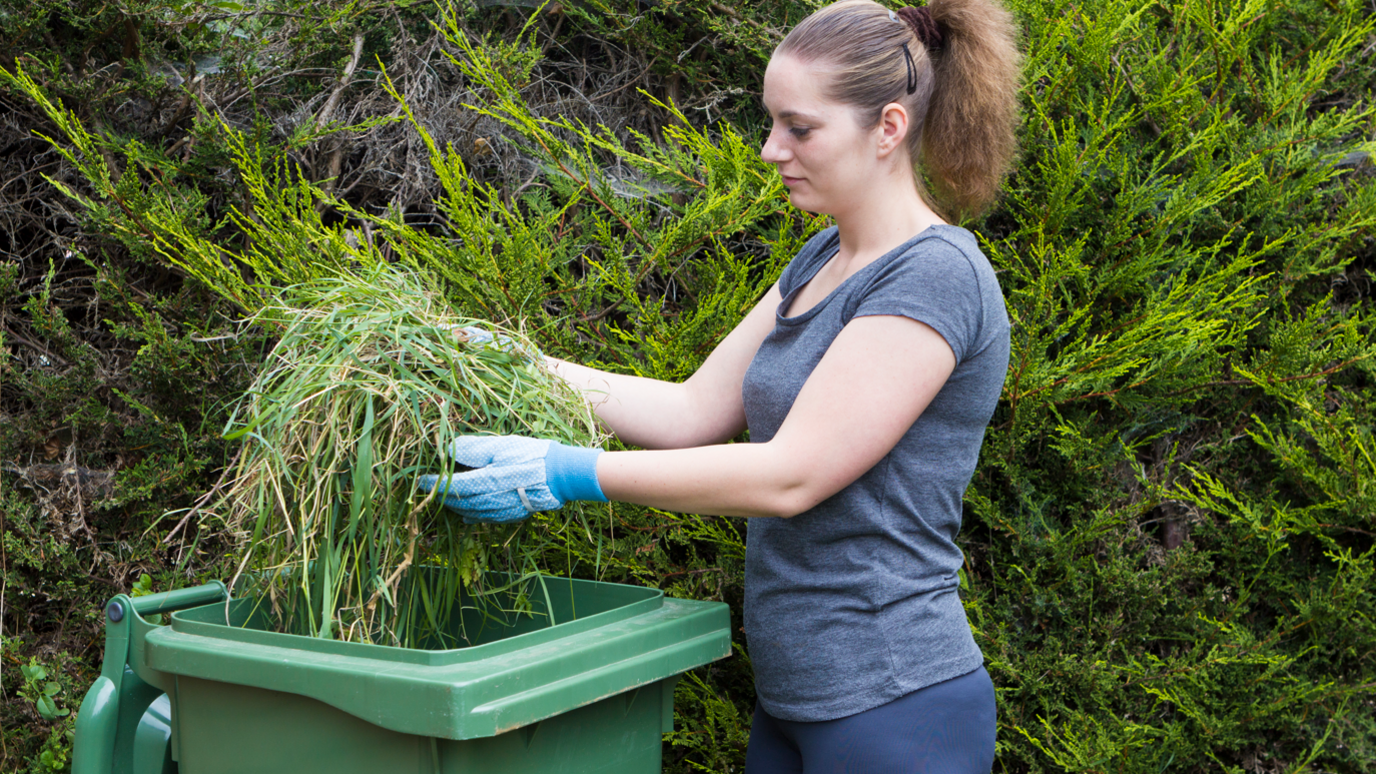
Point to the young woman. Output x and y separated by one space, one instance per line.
866 377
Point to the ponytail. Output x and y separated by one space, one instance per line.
969 140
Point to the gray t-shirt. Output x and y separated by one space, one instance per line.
854 603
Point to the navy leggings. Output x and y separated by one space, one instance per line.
947 728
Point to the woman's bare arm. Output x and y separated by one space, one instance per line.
704 409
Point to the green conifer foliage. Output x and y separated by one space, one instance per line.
1158 513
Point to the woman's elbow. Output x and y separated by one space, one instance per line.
787 485
789 501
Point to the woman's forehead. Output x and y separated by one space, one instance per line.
794 88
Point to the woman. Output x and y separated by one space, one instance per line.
866 377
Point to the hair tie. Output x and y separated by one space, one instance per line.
923 25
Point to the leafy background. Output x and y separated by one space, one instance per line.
1169 538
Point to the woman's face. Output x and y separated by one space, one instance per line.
828 162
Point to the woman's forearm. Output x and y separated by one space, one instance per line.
651 413
635 409
741 479
705 409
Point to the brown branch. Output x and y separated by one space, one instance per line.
594 318
323 117
692 572
1292 378
205 498
336 160
1217 383
284 14
35 346
1105 393
729 11
588 185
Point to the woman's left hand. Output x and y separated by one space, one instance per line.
514 476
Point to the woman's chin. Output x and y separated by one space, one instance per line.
804 203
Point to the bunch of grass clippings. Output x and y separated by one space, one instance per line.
370 379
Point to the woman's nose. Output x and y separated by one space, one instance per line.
773 151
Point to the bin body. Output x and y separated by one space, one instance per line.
584 683
296 734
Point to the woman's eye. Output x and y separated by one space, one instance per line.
799 131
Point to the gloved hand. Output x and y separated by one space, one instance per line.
484 338
475 335
515 476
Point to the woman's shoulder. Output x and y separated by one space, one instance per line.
941 278
940 249
947 248
944 238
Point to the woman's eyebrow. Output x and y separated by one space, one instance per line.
782 114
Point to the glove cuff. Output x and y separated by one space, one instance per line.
571 472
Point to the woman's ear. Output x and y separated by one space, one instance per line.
893 128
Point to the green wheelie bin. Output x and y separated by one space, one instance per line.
585 684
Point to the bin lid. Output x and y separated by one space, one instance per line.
636 636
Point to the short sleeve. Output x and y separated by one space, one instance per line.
935 283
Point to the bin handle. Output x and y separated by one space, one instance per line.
98 720
180 599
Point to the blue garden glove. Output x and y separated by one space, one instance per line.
484 338
515 476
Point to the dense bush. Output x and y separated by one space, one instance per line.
1169 539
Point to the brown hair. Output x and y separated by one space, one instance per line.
963 111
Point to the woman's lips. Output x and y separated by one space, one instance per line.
791 181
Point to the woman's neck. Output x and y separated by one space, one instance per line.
889 215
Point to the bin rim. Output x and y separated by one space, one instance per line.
636 600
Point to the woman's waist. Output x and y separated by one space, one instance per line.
870 592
